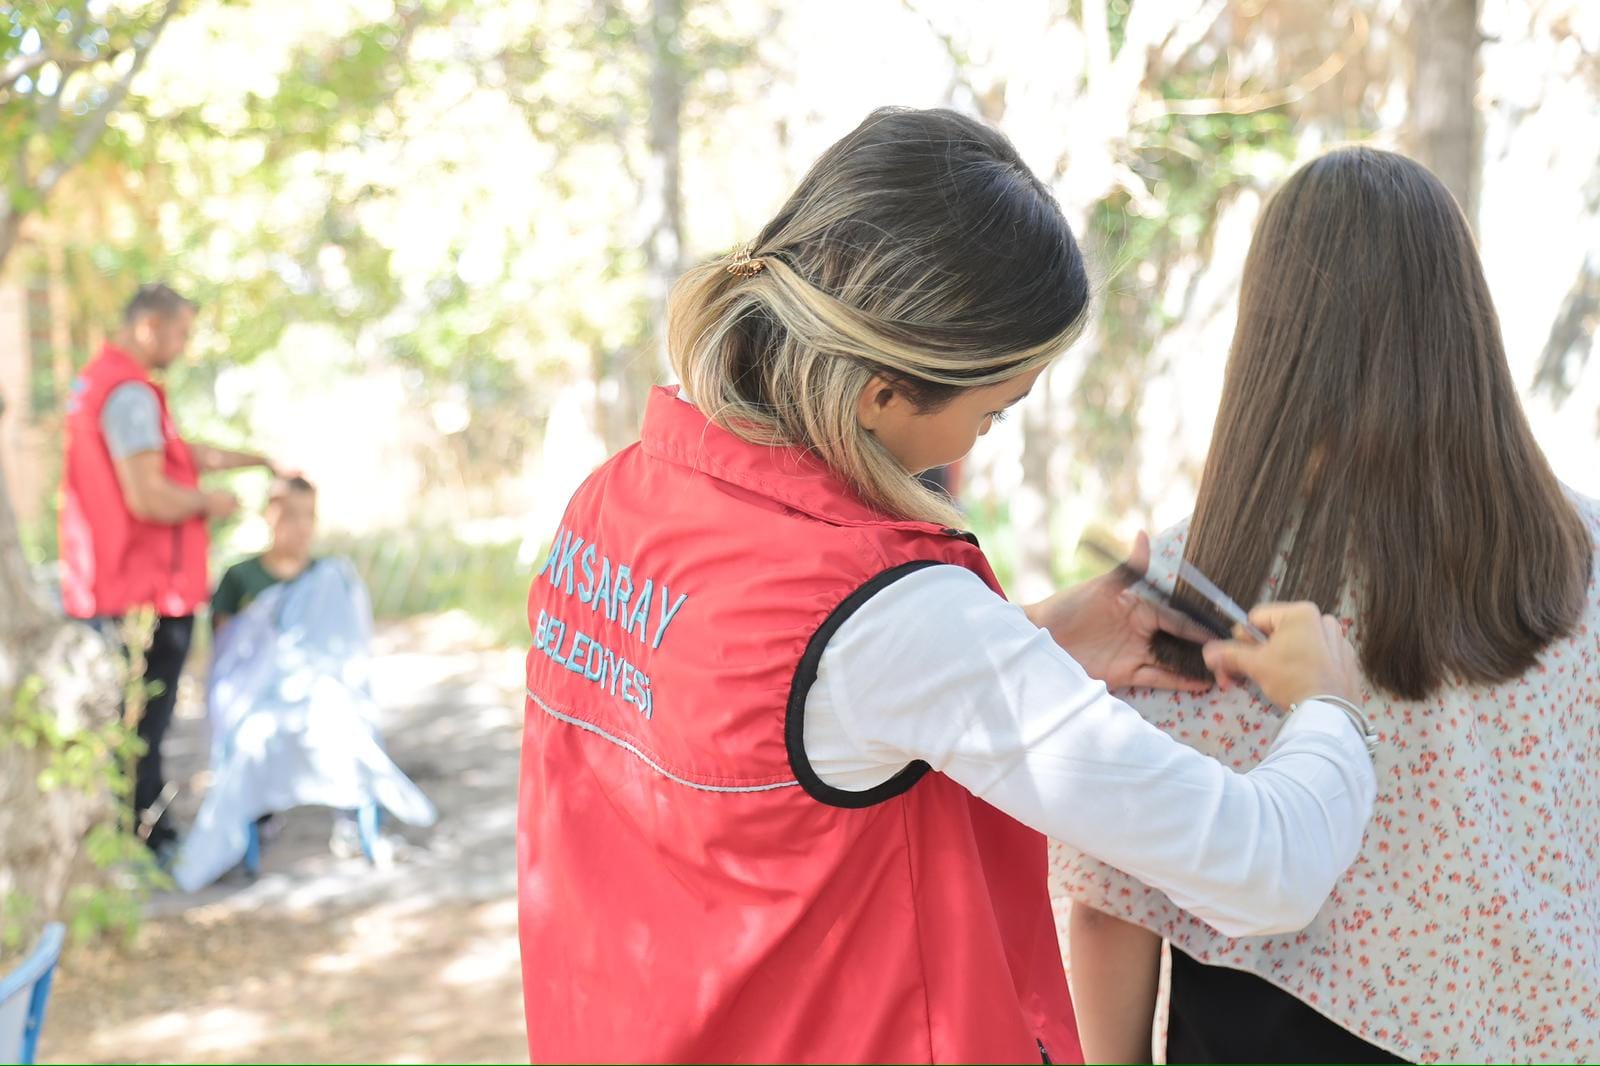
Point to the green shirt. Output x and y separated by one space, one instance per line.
240 585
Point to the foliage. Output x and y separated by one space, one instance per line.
413 572
92 762
39 537
400 182
16 919
990 521
467 196
67 66
329 199
1193 165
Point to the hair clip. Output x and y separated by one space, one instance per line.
743 266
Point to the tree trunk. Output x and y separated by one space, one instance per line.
624 377
76 687
65 669
664 176
1033 504
663 199
10 230
62 365
1444 129
21 612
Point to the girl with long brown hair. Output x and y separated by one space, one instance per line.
1371 455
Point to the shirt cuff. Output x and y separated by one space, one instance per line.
1314 716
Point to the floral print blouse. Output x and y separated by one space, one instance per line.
1468 929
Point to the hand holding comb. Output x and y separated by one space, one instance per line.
1228 614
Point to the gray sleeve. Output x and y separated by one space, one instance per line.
131 420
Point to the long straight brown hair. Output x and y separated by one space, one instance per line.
1370 430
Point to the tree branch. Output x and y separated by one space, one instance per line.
960 62
1191 31
1566 350
1294 92
94 124
10 230
1150 26
68 65
1097 41
49 110
22 66
1147 27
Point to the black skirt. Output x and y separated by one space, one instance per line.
1223 1015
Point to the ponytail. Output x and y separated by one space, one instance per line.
920 250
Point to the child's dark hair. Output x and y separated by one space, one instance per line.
283 486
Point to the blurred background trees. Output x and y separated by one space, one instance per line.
457 220
433 238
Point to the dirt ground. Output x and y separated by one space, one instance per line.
324 959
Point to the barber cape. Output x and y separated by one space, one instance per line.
292 718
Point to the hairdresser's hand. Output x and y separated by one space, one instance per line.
1107 627
1306 654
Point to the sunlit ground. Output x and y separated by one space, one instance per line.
386 984
326 959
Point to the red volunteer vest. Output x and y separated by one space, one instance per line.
689 890
112 562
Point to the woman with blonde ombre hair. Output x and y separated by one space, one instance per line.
1371 456
790 756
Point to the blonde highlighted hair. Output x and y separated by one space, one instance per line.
919 249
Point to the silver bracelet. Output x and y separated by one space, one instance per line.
1352 712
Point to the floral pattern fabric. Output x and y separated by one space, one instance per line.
1468 929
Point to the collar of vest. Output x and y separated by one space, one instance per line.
678 432
116 360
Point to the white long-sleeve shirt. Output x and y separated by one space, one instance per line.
937 667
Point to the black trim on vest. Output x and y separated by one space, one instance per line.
961 534
805 675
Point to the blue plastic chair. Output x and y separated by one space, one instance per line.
368 819
23 994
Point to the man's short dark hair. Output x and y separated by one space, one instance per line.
156 298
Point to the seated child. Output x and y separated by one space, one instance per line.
291 515
292 717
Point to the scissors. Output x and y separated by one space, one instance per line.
1204 586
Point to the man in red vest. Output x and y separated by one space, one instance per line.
133 517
